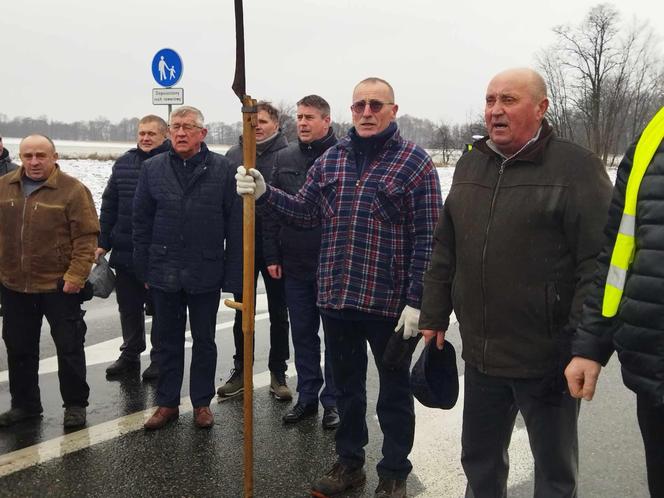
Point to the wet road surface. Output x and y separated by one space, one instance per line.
113 456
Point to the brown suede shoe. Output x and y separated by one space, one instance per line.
203 417
161 417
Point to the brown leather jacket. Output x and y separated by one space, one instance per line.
49 235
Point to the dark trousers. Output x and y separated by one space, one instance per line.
131 295
347 342
276 306
651 422
170 318
489 413
305 324
21 328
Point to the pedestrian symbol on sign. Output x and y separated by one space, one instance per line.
167 67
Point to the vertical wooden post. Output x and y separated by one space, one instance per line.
247 307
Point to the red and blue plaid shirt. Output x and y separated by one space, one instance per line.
376 230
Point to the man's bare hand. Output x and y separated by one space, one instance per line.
582 375
274 271
99 252
438 334
69 288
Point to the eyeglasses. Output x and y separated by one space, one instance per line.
374 105
186 127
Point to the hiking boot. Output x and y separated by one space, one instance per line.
299 412
390 488
152 372
16 415
162 416
234 385
278 386
337 480
330 417
75 416
122 366
203 417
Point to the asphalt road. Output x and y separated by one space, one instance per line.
114 457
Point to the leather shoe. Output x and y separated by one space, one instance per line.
330 417
161 417
122 366
300 412
203 417
151 373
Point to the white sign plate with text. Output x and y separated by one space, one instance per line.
166 96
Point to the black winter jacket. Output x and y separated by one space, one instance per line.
180 230
266 155
514 253
637 331
117 203
296 249
6 164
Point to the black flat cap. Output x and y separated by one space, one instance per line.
434 379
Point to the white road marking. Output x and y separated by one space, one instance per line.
107 351
69 443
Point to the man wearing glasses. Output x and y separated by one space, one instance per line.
182 217
376 197
115 219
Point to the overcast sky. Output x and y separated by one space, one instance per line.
79 59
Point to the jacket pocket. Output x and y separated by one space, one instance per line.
328 191
387 203
212 254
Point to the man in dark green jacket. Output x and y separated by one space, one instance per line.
513 257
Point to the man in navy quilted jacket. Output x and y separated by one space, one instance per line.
115 220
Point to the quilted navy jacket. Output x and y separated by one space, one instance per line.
185 233
116 206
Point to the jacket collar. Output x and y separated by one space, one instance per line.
51 181
165 146
532 152
317 147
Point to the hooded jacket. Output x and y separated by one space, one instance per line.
514 253
49 235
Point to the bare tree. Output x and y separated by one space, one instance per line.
604 80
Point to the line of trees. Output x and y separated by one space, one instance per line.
423 131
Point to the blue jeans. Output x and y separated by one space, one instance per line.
347 342
305 323
170 319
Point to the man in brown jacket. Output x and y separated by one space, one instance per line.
48 236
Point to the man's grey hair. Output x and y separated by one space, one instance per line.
187 110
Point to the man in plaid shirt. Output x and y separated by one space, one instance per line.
377 199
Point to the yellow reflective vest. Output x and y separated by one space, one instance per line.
624 248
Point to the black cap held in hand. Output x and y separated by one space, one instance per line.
434 379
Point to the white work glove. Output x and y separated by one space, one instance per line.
409 319
252 183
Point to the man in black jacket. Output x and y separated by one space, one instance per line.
513 255
115 219
183 245
292 253
624 310
6 164
269 141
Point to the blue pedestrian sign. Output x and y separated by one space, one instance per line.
166 67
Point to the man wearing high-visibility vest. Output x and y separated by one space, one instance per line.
625 309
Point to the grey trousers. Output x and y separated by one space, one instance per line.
489 413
